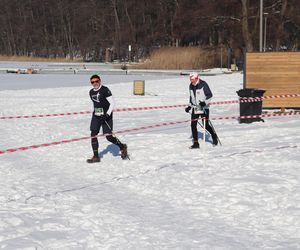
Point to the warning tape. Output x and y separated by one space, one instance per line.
12 150
89 112
46 115
257 116
242 99
255 99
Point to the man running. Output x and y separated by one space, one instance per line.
102 117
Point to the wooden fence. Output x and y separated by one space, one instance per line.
277 73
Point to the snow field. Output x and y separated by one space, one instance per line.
242 195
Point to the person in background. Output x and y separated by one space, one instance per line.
102 116
200 96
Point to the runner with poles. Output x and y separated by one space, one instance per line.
200 96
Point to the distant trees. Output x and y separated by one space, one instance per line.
103 29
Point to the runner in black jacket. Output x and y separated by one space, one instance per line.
200 95
102 117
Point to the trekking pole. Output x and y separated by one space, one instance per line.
215 132
203 146
204 130
209 122
118 141
211 125
112 132
212 129
200 124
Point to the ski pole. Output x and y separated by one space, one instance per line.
212 127
209 122
199 123
118 141
203 146
112 132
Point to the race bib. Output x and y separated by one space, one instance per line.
198 109
99 111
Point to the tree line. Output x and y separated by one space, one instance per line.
102 30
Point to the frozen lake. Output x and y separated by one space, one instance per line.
64 76
37 81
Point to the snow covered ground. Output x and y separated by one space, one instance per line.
242 195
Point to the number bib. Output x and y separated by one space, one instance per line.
198 110
99 111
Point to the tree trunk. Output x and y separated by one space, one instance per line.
117 39
66 24
245 27
280 28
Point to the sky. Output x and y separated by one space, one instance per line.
241 195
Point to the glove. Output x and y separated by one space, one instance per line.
202 104
104 117
187 109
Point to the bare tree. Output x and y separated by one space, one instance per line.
245 26
280 27
117 38
87 28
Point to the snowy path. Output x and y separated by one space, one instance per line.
243 195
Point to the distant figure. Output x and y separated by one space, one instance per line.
102 117
200 96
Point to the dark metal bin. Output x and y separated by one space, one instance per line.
250 108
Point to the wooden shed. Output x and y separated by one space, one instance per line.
278 73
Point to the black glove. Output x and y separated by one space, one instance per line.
104 117
202 104
187 109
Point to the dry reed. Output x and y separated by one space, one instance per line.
182 58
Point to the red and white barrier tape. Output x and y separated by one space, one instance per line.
256 116
150 108
258 99
12 150
255 99
244 99
46 115
89 112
